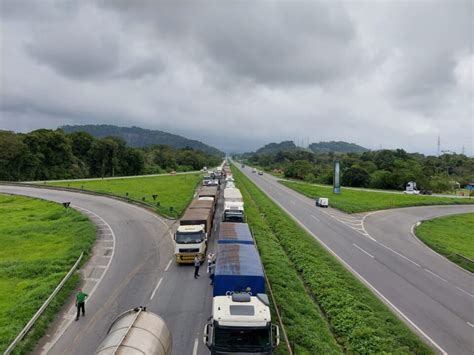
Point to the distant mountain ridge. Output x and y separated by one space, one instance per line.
337 147
321 147
141 137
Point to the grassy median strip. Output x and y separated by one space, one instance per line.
173 192
451 236
358 320
353 201
39 243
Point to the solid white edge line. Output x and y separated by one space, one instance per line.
169 264
362 250
435 275
195 347
364 281
156 288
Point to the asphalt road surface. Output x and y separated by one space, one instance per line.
431 294
138 268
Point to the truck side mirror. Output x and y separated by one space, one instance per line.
275 336
208 332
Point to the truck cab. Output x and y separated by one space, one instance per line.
190 240
233 212
241 324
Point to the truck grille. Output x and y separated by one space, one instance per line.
190 250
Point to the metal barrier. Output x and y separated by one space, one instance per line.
40 311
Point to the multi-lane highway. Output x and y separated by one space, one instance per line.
432 295
132 265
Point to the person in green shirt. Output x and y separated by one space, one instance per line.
80 301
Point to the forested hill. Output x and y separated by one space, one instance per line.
273 148
139 137
336 147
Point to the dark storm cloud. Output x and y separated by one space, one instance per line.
268 43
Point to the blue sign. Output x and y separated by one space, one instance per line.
337 178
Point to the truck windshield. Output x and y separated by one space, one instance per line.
235 339
189 238
233 216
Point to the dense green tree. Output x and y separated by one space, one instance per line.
355 177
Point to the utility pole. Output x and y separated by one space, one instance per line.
439 145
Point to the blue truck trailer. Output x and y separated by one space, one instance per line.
238 269
231 233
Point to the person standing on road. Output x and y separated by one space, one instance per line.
80 303
197 264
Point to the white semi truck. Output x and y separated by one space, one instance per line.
233 211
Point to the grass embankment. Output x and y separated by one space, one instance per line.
39 243
325 308
450 236
174 192
353 201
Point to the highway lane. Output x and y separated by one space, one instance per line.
141 272
405 277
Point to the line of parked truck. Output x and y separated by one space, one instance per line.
240 322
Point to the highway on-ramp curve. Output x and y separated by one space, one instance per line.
141 271
432 295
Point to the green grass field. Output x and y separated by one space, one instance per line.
325 308
353 201
39 243
174 192
450 236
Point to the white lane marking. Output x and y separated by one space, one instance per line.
93 279
169 264
195 348
55 340
293 202
362 250
435 275
400 255
470 324
156 288
316 218
385 299
467 293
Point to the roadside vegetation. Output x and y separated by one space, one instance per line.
380 169
353 201
39 242
47 154
173 192
325 308
451 236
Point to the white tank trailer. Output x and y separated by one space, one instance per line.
137 331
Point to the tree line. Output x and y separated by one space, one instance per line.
381 169
53 154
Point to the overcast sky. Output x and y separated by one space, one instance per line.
240 74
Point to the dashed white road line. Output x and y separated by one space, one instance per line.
470 324
195 348
156 288
362 250
435 275
467 293
169 264
316 218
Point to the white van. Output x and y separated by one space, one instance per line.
322 202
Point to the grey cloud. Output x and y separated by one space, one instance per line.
268 43
75 54
147 67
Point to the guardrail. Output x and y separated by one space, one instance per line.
40 311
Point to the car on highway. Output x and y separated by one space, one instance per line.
254 170
322 202
260 172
